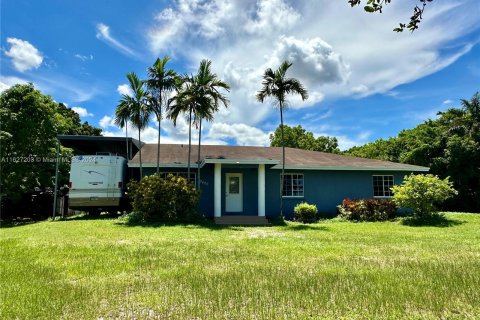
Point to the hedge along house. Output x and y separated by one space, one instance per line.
238 180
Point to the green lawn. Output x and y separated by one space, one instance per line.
100 269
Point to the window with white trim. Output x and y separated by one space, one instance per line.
193 175
382 186
293 185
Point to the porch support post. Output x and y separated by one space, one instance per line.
261 190
217 185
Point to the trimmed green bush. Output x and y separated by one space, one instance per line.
172 199
423 193
367 209
306 213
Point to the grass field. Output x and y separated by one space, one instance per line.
101 269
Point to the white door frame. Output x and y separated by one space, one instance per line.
233 201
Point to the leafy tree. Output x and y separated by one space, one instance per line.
449 145
134 108
161 81
29 124
298 137
423 194
277 86
373 6
73 125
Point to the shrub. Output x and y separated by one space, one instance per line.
306 213
367 209
171 199
423 194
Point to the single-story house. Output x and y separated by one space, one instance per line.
240 180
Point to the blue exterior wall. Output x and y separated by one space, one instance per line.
325 189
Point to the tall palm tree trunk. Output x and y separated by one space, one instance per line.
140 151
283 163
198 159
158 147
189 143
126 139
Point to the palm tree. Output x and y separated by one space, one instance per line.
199 96
182 102
161 81
121 120
277 86
134 108
208 98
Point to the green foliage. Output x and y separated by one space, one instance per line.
423 194
164 200
367 209
298 137
306 213
450 146
373 6
30 122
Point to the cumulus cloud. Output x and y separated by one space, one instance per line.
103 33
24 55
7 82
241 133
82 112
106 122
272 16
336 51
124 89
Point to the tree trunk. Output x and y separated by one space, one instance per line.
158 147
140 151
198 159
283 163
189 143
126 139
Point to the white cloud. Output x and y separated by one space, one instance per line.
241 133
336 51
103 33
448 101
83 58
7 82
82 112
106 122
272 16
24 55
124 89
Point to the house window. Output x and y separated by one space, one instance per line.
192 178
382 186
293 185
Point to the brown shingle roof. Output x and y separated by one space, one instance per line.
176 154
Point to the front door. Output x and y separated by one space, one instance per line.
234 192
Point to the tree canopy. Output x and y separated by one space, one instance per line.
298 137
30 122
373 6
449 145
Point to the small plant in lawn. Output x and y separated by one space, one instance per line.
423 194
164 200
367 209
306 213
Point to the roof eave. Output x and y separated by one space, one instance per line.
352 168
241 161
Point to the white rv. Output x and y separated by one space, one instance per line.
97 182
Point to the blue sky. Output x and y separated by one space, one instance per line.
365 81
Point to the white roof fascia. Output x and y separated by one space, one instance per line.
240 161
349 168
162 165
